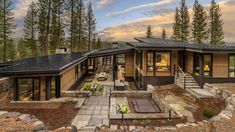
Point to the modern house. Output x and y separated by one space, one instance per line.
147 61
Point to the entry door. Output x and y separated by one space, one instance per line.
181 60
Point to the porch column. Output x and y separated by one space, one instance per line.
200 69
114 67
57 86
15 89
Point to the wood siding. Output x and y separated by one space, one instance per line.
189 62
43 89
220 65
129 65
68 79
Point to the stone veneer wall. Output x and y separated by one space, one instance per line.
5 84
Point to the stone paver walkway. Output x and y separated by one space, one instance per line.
94 112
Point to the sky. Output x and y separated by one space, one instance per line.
122 20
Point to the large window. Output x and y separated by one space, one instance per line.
107 61
150 61
196 64
163 61
121 59
28 89
232 65
207 65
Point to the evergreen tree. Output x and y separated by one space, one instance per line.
7 25
199 24
22 49
11 50
94 44
44 24
90 25
177 26
99 45
216 24
56 31
149 32
80 26
185 21
30 29
163 34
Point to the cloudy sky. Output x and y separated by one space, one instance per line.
125 19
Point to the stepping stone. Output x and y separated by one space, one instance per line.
80 103
113 127
131 128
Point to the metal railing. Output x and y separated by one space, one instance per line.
179 70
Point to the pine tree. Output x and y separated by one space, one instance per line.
44 24
177 26
216 24
94 44
22 49
11 50
90 25
163 34
80 26
199 24
149 32
7 25
56 28
185 21
99 46
30 29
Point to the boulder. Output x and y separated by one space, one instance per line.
226 114
38 125
12 114
3 112
25 117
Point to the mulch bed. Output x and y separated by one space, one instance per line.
213 104
54 115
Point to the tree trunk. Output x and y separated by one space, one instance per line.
45 45
4 32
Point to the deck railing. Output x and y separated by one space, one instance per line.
180 71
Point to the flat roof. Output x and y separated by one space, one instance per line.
111 51
162 43
52 64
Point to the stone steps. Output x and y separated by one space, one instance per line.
80 102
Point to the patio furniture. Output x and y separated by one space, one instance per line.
119 85
102 76
145 106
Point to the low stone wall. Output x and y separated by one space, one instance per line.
5 84
35 123
77 94
136 94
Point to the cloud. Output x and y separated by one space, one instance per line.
105 3
159 11
160 3
127 32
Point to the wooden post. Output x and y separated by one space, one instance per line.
169 114
57 86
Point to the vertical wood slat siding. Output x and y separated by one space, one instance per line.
43 89
189 62
129 65
220 65
68 79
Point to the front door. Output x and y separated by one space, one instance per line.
181 60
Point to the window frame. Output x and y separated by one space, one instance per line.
211 65
147 65
107 59
229 71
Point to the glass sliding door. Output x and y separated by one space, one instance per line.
207 65
232 65
196 64
163 62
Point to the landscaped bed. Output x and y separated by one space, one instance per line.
214 105
53 115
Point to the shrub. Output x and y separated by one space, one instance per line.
208 113
123 109
87 86
100 87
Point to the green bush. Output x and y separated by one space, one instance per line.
123 109
100 87
87 86
208 113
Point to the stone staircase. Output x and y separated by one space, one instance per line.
191 83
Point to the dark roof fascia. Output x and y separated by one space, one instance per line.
45 72
111 52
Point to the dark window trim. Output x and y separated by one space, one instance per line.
231 54
33 78
106 59
194 61
117 57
